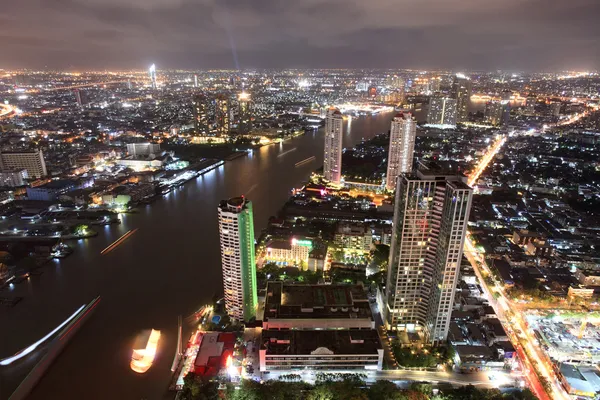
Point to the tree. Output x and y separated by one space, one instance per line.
381 256
385 390
81 230
195 387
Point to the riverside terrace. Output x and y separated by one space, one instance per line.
329 349
316 306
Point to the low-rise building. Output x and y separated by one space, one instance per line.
292 306
580 381
353 236
14 178
317 259
32 161
51 190
294 251
289 350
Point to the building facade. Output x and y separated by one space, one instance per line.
402 147
461 91
348 349
442 111
32 161
201 112
13 178
353 237
222 114
332 163
293 251
152 75
236 231
493 113
143 149
244 113
430 221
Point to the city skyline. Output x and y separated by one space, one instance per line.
458 35
113 185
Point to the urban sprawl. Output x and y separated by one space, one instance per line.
460 247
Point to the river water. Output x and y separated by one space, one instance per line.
170 266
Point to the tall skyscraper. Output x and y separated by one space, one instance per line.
78 98
461 91
402 148
222 114
244 114
236 231
152 74
435 84
430 222
201 114
395 82
530 105
506 95
442 110
332 163
493 112
195 80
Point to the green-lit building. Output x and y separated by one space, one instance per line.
236 231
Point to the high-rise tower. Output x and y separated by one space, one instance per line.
442 110
244 114
201 114
236 231
430 222
332 163
402 148
461 91
152 74
222 114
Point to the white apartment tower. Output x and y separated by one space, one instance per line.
442 111
236 231
332 163
430 222
32 161
402 148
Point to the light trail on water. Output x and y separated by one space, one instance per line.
27 350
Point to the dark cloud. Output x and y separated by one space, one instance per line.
472 34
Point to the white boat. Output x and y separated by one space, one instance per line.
142 359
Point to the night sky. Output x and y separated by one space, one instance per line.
548 35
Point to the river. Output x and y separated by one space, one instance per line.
170 266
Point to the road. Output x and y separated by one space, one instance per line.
535 364
6 110
485 160
482 379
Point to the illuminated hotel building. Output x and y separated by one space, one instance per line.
332 163
442 111
31 161
201 114
236 231
430 222
402 147
222 114
461 91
